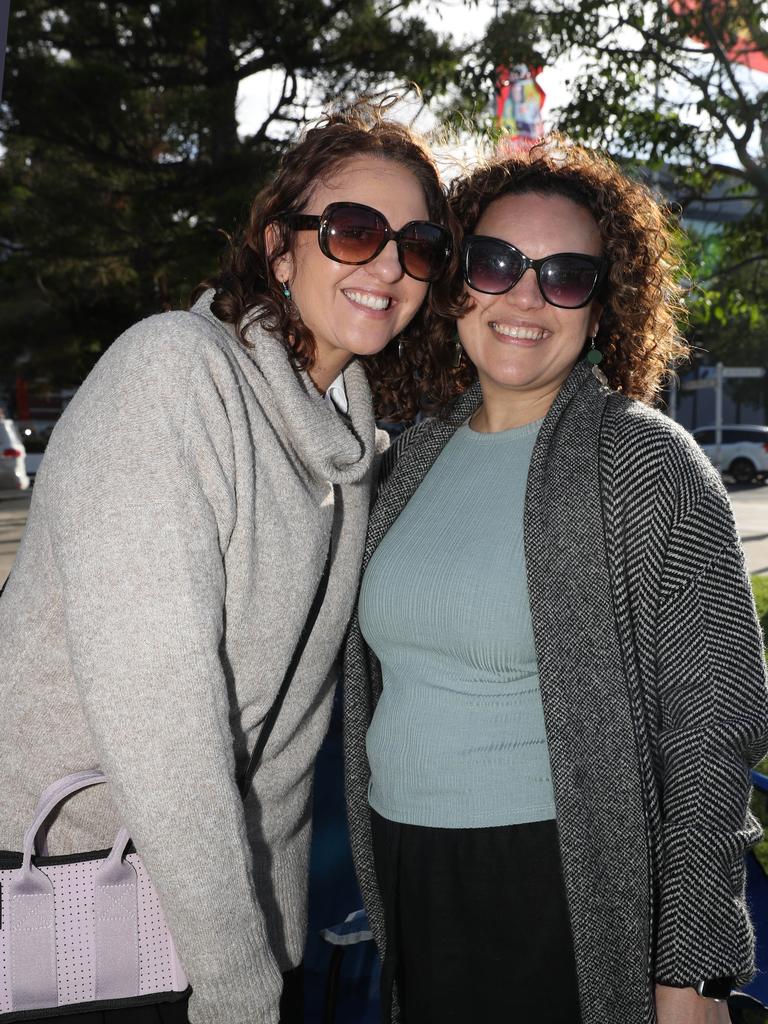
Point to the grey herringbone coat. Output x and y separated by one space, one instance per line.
653 685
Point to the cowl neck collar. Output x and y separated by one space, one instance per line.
332 447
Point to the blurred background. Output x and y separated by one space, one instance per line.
133 137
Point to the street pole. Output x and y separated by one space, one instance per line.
718 413
673 398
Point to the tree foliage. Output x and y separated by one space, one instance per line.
123 163
658 81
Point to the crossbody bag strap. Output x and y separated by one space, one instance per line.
274 711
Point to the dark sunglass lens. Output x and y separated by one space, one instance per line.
424 250
491 267
355 235
568 281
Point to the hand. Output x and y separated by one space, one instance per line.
686 1006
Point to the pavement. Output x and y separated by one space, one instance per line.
750 506
13 517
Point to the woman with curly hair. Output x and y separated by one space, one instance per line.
204 498
554 684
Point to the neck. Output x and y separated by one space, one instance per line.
327 368
505 408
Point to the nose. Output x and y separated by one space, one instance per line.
386 266
526 294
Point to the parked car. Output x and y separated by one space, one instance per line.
35 445
13 474
743 452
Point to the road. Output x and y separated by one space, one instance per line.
750 505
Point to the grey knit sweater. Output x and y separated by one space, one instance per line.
653 685
178 529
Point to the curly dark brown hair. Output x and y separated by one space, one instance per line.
246 289
641 296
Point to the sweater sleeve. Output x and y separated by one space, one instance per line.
141 503
713 711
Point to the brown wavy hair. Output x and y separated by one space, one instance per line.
401 375
641 296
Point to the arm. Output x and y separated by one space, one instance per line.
141 509
684 1006
713 726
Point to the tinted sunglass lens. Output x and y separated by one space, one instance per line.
567 281
491 268
355 235
423 251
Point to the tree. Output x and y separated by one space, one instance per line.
123 163
664 82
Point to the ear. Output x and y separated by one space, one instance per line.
282 267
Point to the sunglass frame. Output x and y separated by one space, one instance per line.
599 263
321 223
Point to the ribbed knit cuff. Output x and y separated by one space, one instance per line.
239 985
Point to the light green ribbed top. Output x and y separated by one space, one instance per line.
457 739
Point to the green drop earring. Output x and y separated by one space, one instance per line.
286 290
594 358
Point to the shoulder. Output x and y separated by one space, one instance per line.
177 340
646 441
669 492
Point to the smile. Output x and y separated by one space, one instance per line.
368 299
519 333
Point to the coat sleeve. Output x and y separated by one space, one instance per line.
139 496
713 726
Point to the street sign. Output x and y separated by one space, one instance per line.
700 384
743 371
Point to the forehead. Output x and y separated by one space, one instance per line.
384 184
541 224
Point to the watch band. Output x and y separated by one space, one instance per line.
717 989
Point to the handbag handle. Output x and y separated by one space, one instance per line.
50 799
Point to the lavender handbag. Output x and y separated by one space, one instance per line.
80 929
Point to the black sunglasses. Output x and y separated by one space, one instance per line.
356 234
566 279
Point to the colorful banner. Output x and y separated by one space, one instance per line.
519 102
740 48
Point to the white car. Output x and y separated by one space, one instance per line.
743 452
13 473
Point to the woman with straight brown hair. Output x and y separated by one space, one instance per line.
204 495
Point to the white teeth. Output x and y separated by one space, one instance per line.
524 333
369 300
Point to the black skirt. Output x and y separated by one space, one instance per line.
477 924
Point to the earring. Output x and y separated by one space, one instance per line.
595 357
401 349
286 290
458 352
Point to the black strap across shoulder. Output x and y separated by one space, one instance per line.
274 711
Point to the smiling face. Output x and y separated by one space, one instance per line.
355 310
523 347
